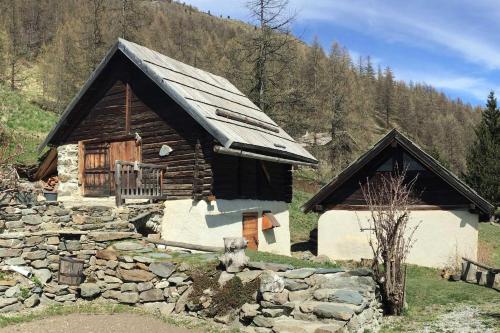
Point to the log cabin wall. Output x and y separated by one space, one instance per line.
237 177
159 121
429 188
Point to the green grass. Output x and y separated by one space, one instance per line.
279 259
27 123
428 295
301 224
489 237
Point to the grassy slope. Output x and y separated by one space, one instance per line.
489 237
26 122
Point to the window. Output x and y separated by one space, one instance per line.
410 164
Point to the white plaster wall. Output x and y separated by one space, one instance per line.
67 170
203 223
442 236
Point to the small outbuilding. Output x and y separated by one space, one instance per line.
447 210
145 126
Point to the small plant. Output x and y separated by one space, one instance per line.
36 281
25 293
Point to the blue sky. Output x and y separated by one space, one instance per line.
453 45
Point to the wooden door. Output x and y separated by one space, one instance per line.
250 229
128 151
96 170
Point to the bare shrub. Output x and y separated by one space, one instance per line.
389 198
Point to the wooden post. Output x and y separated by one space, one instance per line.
118 183
234 257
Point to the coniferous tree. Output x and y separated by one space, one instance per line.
483 167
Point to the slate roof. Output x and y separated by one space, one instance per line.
417 153
215 103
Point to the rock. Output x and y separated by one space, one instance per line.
263 266
224 319
127 246
39 264
277 298
32 219
135 275
328 270
73 245
34 255
361 271
32 301
129 287
234 258
224 278
271 282
89 290
308 306
152 295
249 310
113 294
17 261
164 309
112 279
7 301
162 284
358 283
144 260
106 255
178 278
14 224
99 236
300 273
10 252
43 275
248 276
129 298
273 313
329 310
293 285
262 321
339 296
162 269
295 326
12 308
330 328
53 240
300 295
14 291
65 298
181 302
126 265
143 286
11 243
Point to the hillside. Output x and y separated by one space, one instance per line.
25 122
51 53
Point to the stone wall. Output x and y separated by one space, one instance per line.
67 170
121 267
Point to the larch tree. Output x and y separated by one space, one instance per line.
483 167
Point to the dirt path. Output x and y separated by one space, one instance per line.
84 323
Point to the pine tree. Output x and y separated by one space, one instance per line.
482 159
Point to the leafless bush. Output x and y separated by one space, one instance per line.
389 198
9 150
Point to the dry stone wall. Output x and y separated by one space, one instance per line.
67 170
120 267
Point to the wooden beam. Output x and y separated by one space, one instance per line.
127 108
189 246
241 153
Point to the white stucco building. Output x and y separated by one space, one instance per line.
446 213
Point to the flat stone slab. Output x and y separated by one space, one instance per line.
162 269
109 236
295 326
329 310
300 273
128 246
135 275
269 266
329 270
339 296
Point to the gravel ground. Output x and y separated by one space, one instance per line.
465 319
84 323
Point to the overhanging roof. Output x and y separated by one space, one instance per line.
211 100
417 153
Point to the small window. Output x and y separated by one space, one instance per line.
410 164
269 221
386 166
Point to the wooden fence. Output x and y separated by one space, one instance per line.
481 274
135 180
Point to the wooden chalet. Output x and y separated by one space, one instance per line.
147 126
446 210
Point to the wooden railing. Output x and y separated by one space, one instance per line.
138 181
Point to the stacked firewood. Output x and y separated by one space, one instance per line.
50 184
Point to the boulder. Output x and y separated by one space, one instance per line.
128 298
152 295
89 290
271 282
300 273
335 311
163 269
135 275
32 301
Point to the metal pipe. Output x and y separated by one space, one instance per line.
241 153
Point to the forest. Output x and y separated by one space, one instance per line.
48 48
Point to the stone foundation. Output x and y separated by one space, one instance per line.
67 170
